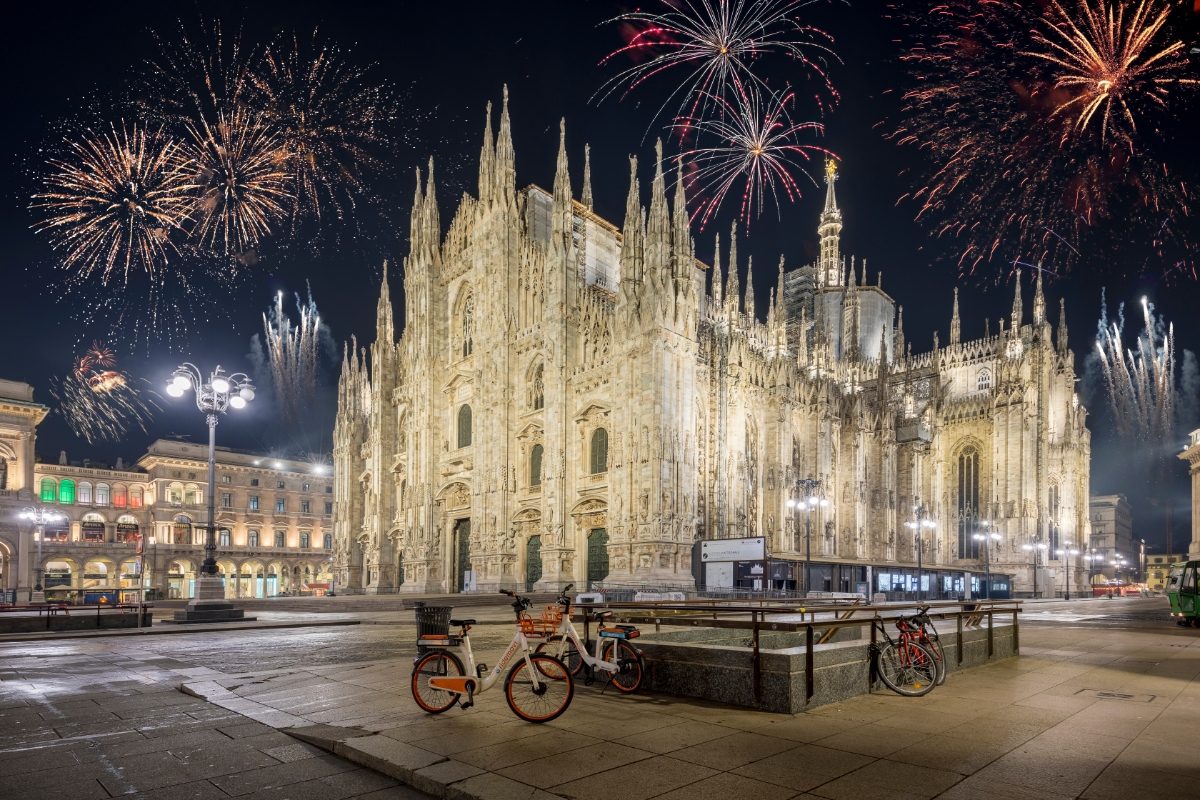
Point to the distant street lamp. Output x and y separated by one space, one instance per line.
1092 558
985 539
920 522
213 398
1036 549
807 499
1066 554
39 516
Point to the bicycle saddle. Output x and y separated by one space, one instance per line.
599 615
461 622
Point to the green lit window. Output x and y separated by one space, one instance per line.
49 490
66 492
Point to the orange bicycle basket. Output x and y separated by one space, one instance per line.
546 625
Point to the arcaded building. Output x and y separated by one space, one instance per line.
572 401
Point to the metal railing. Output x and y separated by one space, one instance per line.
756 619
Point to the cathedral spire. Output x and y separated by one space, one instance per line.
429 215
780 305
586 199
631 231
1017 311
898 344
955 322
505 165
679 214
487 158
1061 338
733 294
1039 299
562 178
802 344
384 330
659 222
717 277
748 305
829 230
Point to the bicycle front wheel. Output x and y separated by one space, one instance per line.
539 694
629 677
562 648
437 664
934 644
906 668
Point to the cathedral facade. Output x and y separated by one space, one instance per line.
573 402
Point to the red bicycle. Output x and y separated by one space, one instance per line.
905 665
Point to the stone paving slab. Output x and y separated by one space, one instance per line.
1040 725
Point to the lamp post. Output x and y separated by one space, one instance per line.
1035 550
1091 557
1065 554
1118 563
213 396
39 516
919 522
807 499
986 538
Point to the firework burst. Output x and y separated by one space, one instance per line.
111 203
1140 380
753 145
100 402
708 46
293 350
243 177
1110 61
1014 173
333 123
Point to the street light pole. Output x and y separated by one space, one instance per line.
986 539
1035 550
39 516
808 499
213 396
920 521
1066 554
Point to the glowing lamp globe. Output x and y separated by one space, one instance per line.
181 382
247 393
237 402
220 385
174 389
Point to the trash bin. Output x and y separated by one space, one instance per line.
433 620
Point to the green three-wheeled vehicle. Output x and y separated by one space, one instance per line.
1183 590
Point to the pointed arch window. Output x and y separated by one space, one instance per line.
468 326
535 465
464 425
983 381
598 461
968 501
1053 508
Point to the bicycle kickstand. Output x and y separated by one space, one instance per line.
470 701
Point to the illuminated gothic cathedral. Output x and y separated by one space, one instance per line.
570 401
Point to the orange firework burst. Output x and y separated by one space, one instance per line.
112 201
1110 61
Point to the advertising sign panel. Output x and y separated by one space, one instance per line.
733 550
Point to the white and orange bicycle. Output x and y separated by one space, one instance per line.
538 688
610 653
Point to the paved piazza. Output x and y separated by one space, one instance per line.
99 717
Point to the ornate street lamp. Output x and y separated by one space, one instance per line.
1066 553
1092 558
1036 549
213 396
985 539
807 499
920 522
39 516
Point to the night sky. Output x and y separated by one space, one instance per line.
450 59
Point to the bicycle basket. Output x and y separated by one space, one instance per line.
433 620
537 627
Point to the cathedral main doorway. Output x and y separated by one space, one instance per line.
533 562
462 553
597 555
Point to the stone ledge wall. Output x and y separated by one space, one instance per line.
717 665
82 621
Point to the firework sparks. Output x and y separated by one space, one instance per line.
710 44
98 401
1014 175
754 145
1140 382
111 203
1110 61
333 123
242 170
293 353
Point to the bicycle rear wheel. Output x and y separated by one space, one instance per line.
437 664
539 694
906 668
562 648
630 677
